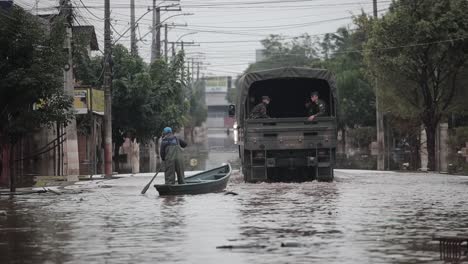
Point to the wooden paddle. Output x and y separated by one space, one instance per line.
149 183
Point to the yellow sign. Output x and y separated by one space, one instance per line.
82 100
98 101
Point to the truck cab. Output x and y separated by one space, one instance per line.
286 146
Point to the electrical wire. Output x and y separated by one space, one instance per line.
89 11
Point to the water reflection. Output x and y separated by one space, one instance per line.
219 148
363 217
22 230
299 216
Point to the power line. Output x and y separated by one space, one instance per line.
247 5
90 12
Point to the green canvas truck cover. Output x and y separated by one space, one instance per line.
245 82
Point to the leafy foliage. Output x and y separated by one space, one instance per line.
418 52
87 70
457 142
301 51
356 99
31 61
355 94
146 99
198 111
362 137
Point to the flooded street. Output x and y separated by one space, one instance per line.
362 217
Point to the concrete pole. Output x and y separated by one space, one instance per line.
72 158
173 50
188 72
423 150
158 33
107 92
165 42
133 44
193 69
71 144
375 8
379 119
153 43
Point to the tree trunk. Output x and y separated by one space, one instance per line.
5 163
343 140
11 161
187 134
415 146
431 145
117 156
192 135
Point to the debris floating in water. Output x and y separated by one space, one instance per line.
52 191
231 193
240 246
291 244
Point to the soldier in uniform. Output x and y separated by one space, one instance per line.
315 107
260 110
171 154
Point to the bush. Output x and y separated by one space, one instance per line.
362 137
457 141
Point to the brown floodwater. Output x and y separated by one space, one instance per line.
363 217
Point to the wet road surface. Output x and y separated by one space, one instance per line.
363 217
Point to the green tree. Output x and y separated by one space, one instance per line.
146 99
356 99
31 77
197 109
170 92
300 51
418 53
87 70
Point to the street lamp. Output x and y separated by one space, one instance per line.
183 14
158 26
186 34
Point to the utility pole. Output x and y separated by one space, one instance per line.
107 92
153 44
173 50
379 118
158 33
156 43
375 8
193 68
133 44
165 42
71 157
182 45
188 73
198 71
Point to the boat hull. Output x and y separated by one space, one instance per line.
217 184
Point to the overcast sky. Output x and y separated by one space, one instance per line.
227 31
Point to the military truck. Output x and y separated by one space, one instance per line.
286 146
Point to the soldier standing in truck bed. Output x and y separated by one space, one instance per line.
260 110
315 107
